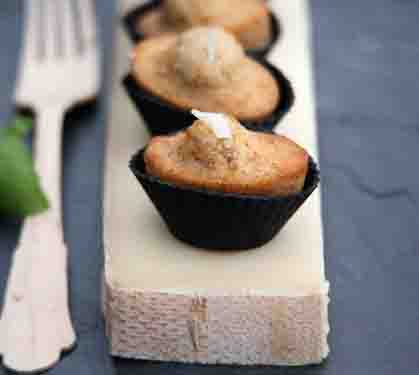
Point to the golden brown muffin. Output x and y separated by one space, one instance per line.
205 68
251 163
248 20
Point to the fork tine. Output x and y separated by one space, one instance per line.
69 28
50 28
87 14
32 33
31 50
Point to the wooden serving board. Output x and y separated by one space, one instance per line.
165 300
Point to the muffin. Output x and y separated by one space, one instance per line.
204 68
221 186
249 20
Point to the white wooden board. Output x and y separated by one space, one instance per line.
143 258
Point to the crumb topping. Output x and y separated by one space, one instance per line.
203 145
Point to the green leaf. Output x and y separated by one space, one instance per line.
20 189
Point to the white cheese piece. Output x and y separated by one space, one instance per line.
212 45
218 122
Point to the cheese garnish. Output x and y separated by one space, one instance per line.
218 122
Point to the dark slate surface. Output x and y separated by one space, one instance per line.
367 55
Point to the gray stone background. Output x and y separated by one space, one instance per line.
367 79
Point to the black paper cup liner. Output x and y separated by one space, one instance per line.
158 113
130 21
221 221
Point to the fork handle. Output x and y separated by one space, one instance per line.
48 155
48 144
35 324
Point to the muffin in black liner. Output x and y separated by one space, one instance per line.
130 21
157 112
221 221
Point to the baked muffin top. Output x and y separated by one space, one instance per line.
248 20
205 68
218 154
